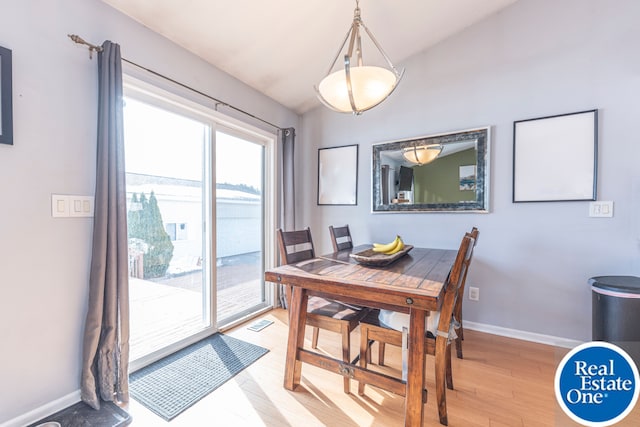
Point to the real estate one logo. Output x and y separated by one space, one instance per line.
596 384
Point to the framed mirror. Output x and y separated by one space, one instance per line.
444 173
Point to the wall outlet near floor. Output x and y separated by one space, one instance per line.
474 293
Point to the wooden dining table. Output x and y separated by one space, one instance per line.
412 284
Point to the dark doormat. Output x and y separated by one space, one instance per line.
83 415
173 384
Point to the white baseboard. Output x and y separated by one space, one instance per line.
522 335
44 410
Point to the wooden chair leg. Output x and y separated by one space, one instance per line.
287 296
459 348
314 338
365 354
346 355
457 314
441 392
460 333
448 373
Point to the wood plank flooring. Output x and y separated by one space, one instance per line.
162 314
501 382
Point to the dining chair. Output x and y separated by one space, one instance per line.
457 311
438 342
322 313
340 238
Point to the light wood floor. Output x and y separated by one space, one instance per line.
501 382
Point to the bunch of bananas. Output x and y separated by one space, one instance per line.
389 248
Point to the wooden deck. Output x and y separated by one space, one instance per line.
162 313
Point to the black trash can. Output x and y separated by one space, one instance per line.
616 312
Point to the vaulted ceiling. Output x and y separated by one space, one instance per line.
283 48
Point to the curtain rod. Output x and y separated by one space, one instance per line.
95 48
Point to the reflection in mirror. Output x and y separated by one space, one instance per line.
445 172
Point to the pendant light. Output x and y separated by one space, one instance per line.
357 87
422 154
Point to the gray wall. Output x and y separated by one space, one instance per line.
535 58
44 261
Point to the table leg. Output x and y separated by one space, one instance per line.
414 407
297 321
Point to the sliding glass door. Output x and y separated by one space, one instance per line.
197 216
240 225
167 196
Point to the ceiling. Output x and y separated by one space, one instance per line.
282 48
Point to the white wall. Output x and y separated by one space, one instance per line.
44 262
534 59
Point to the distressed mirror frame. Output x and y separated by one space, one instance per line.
481 202
338 175
6 109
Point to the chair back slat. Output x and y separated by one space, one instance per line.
455 282
294 257
340 238
474 235
457 310
295 246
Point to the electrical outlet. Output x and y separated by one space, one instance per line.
474 293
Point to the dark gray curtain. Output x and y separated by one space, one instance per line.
288 181
105 356
288 209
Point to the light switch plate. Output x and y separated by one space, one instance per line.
600 209
65 206
81 206
59 206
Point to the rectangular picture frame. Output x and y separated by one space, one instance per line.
6 104
467 178
555 158
338 175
